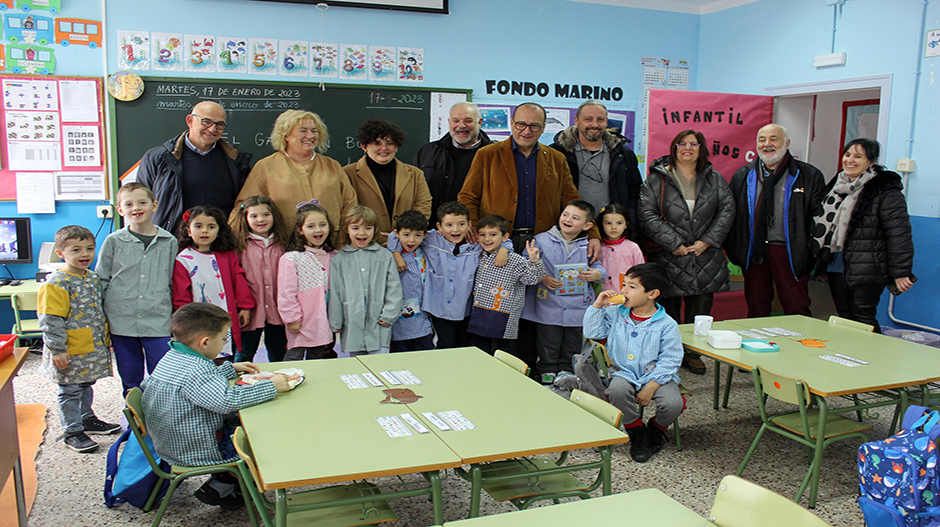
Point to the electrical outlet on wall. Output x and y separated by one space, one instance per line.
105 211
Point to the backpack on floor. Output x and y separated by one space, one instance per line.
131 479
898 476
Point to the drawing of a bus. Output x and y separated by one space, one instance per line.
53 6
27 58
6 4
28 28
3 59
78 31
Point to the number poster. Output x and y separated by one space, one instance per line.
200 53
295 58
133 50
411 64
167 50
233 54
324 60
262 56
352 61
381 63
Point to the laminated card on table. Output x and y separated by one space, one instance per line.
393 426
410 419
353 381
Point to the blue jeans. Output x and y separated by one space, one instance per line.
75 406
131 353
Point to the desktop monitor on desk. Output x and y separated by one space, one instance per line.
49 262
16 246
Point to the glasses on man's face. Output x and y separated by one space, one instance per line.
219 125
535 127
683 144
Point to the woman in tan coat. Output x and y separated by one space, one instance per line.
383 183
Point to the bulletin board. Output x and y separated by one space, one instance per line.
53 125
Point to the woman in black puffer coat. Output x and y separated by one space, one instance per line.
863 233
687 208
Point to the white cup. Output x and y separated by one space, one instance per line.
703 324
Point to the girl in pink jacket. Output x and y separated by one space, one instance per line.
619 253
303 279
260 238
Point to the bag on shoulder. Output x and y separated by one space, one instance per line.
130 478
898 476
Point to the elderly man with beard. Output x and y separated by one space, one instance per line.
776 197
602 165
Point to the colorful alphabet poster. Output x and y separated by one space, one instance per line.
232 54
353 61
200 53
133 50
262 56
295 58
167 50
324 59
411 64
382 63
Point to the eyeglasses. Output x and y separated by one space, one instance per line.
683 144
521 126
219 125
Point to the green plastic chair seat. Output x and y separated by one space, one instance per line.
836 425
343 515
528 480
179 469
741 503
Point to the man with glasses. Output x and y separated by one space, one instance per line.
523 182
197 168
602 165
445 162
776 197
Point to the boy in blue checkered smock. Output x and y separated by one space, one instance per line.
412 331
190 407
645 351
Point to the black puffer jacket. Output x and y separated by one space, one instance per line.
710 222
435 161
878 246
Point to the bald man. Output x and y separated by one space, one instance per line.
776 197
196 168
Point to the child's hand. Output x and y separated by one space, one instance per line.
244 317
590 275
551 283
60 360
502 256
280 383
400 262
534 254
603 299
384 323
246 367
294 327
645 396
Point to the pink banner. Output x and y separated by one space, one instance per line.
729 122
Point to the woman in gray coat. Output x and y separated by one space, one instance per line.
686 207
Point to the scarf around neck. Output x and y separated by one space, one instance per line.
832 225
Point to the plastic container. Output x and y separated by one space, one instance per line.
724 340
6 345
759 345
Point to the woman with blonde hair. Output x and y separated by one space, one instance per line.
299 171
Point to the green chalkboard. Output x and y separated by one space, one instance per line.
252 106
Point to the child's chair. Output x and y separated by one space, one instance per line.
801 426
134 413
740 503
358 503
524 481
29 327
839 321
512 361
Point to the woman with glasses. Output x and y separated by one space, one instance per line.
383 183
687 209
299 172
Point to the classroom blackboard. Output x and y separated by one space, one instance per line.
252 106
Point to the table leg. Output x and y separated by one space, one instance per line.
20 494
605 469
476 487
437 497
280 509
724 403
717 384
820 445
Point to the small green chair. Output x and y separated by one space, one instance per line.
512 361
741 503
27 328
802 425
839 321
136 419
524 481
300 509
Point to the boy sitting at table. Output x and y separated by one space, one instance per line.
645 350
190 406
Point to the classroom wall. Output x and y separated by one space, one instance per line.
772 43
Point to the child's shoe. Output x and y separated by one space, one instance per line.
639 443
95 426
548 378
80 443
229 499
656 438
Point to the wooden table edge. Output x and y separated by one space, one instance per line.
537 451
362 475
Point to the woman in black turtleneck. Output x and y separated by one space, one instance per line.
383 183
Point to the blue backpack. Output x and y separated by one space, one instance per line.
131 479
898 476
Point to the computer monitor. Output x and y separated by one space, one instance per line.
16 245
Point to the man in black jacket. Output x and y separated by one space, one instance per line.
776 198
602 165
445 162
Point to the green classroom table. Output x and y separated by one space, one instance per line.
28 286
641 507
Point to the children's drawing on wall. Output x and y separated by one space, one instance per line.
29 29
352 58
262 56
53 6
133 49
233 54
295 58
200 53
382 63
411 64
78 31
324 60
167 51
